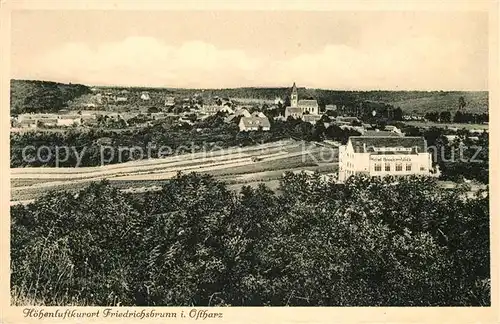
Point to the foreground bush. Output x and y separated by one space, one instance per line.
368 242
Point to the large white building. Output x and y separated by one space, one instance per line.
382 156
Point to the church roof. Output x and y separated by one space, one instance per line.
307 103
294 88
365 144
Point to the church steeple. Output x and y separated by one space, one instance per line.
294 98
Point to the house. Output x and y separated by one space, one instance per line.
258 114
28 123
210 109
48 122
348 120
120 99
170 101
383 156
298 108
331 107
69 120
145 95
254 123
312 119
238 113
392 129
380 133
226 109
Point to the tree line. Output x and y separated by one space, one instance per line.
459 117
206 134
42 96
368 242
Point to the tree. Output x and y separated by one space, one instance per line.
445 117
461 102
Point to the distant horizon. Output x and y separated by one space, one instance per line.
244 87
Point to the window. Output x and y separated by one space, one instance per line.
422 168
387 167
408 167
399 167
378 167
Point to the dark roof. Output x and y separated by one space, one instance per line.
294 88
311 117
293 110
255 121
365 144
380 133
307 103
346 119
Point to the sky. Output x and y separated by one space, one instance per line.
376 50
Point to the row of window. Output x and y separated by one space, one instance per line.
399 167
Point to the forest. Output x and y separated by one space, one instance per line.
28 96
368 242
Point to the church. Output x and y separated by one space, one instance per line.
299 108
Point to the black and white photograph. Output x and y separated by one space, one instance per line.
221 158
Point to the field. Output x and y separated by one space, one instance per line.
477 102
429 124
236 166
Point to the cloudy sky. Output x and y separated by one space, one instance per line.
331 50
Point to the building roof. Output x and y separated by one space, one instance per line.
365 144
380 133
255 121
258 114
307 117
307 103
293 110
346 119
48 120
294 88
28 122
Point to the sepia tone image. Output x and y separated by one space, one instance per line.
249 158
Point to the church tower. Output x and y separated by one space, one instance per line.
294 98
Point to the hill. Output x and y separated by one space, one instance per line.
476 102
42 96
411 102
45 96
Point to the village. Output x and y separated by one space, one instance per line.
115 108
357 148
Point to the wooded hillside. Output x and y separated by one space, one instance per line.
42 96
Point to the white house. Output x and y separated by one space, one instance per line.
226 109
145 95
382 156
254 123
69 121
170 101
392 129
120 99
